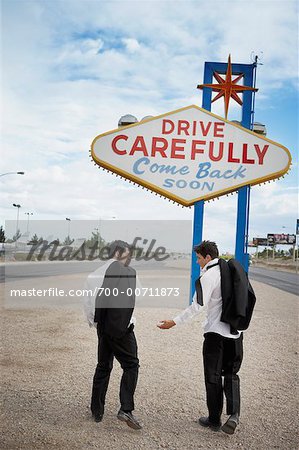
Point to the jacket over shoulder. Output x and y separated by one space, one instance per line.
237 295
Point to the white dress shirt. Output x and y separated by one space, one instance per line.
212 302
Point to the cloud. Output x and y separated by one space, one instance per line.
132 45
72 68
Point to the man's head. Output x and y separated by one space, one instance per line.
206 251
121 251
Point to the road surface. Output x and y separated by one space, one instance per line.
20 270
286 281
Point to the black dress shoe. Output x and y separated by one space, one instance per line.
97 417
205 422
231 424
130 420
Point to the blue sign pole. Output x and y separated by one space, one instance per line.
199 206
197 238
248 71
241 246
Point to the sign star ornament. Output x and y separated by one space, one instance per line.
227 87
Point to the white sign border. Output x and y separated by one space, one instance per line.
167 194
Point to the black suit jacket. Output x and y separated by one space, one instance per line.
238 298
115 302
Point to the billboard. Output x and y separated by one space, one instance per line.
189 155
260 241
281 239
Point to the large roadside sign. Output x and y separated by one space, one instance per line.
260 241
190 154
281 239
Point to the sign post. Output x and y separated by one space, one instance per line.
199 206
228 88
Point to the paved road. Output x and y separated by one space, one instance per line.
17 271
286 281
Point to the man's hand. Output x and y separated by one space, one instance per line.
165 324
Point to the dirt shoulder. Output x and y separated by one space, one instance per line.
286 266
49 356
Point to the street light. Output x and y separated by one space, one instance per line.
69 225
17 206
98 236
12 173
28 214
100 226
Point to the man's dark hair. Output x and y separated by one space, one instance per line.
118 246
207 248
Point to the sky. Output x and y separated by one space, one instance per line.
72 68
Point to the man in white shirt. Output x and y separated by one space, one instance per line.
222 350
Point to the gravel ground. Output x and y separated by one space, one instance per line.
49 356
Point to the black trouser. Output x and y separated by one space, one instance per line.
222 357
125 351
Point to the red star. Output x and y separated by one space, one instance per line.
227 87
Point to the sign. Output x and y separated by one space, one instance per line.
260 241
189 155
281 239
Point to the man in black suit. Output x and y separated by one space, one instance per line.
114 308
